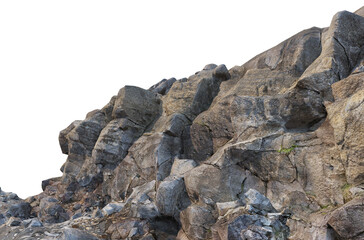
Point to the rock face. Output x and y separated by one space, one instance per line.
272 149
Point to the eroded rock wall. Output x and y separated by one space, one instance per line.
272 149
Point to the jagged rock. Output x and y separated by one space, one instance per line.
341 47
193 96
172 197
182 166
259 202
163 86
173 125
7 196
223 154
112 208
150 158
51 211
19 210
210 66
227 183
221 72
33 222
141 202
81 140
238 224
48 182
347 221
63 141
129 228
268 73
137 105
75 234
346 116
13 222
196 220
111 147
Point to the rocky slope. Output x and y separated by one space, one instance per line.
272 149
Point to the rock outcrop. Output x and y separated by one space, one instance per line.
272 149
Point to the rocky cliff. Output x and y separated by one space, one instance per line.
272 149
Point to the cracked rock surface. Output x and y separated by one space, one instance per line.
271 149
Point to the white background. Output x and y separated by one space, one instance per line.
62 59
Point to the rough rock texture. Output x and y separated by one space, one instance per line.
271 149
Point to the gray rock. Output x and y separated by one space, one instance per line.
51 211
247 226
193 96
136 104
112 208
77 215
223 207
32 223
81 140
210 182
172 197
76 234
14 222
20 210
172 125
221 72
347 221
111 147
182 166
196 220
341 47
163 86
258 201
150 158
210 66
63 141
2 219
141 202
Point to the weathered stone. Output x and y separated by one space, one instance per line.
193 96
163 86
111 147
196 220
172 197
193 158
150 158
223 207
258 201
141 203
76 234
172 125
129 228
48 182
346 115
19 210
341 46
347 221
63 141
113 207
182 166
33 222
136 104
51 211
247 226
221 72
226 182
81 141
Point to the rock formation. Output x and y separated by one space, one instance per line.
272 149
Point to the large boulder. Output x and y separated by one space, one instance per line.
347 221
